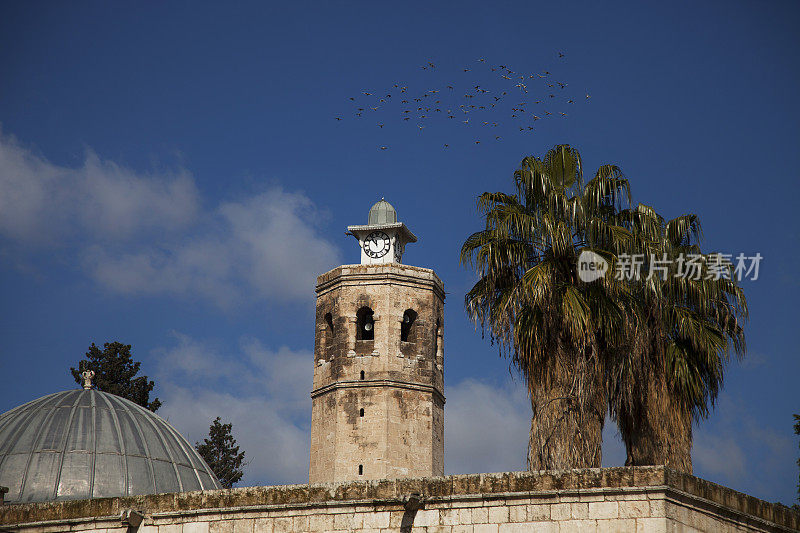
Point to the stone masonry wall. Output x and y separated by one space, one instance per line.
627 500
377 405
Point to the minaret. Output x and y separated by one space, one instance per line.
377 402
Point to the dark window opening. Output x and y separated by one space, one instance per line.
361 412
362 374
407 326
436 339
360 470
329 321
365 324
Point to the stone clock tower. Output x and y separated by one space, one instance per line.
377 402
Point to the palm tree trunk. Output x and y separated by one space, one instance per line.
662 433
567 423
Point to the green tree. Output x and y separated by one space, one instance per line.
685 325
222 454
556 329
114 370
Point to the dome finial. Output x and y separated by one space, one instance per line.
87 376
382 212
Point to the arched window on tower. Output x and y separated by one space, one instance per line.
407 329
365 324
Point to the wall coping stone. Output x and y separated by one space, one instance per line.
387 494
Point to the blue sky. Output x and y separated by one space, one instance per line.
172 176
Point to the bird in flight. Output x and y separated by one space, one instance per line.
338 118
473 99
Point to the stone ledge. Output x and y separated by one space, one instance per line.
678 487
392 272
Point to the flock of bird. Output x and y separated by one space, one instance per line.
505 94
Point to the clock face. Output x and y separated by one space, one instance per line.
377 244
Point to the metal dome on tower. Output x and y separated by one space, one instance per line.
382 213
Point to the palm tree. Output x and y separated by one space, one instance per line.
555 328
681 336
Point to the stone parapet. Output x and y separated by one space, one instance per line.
628 499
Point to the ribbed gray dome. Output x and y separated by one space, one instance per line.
382 213
92 444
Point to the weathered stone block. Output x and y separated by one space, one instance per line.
578 526
282 525
499 514
518 513
379 519
263 525
220 526
426 518
634 509
651 525
480 515
579 511
619 525
561 511
195 527
601 510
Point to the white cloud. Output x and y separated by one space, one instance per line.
263 393
267 244
486 427
41 202
737 448
719 456
144 234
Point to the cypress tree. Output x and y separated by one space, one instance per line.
114 371
222 454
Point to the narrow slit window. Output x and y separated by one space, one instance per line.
360 470
361 412
362 374
436 338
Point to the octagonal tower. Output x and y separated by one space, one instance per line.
377 398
